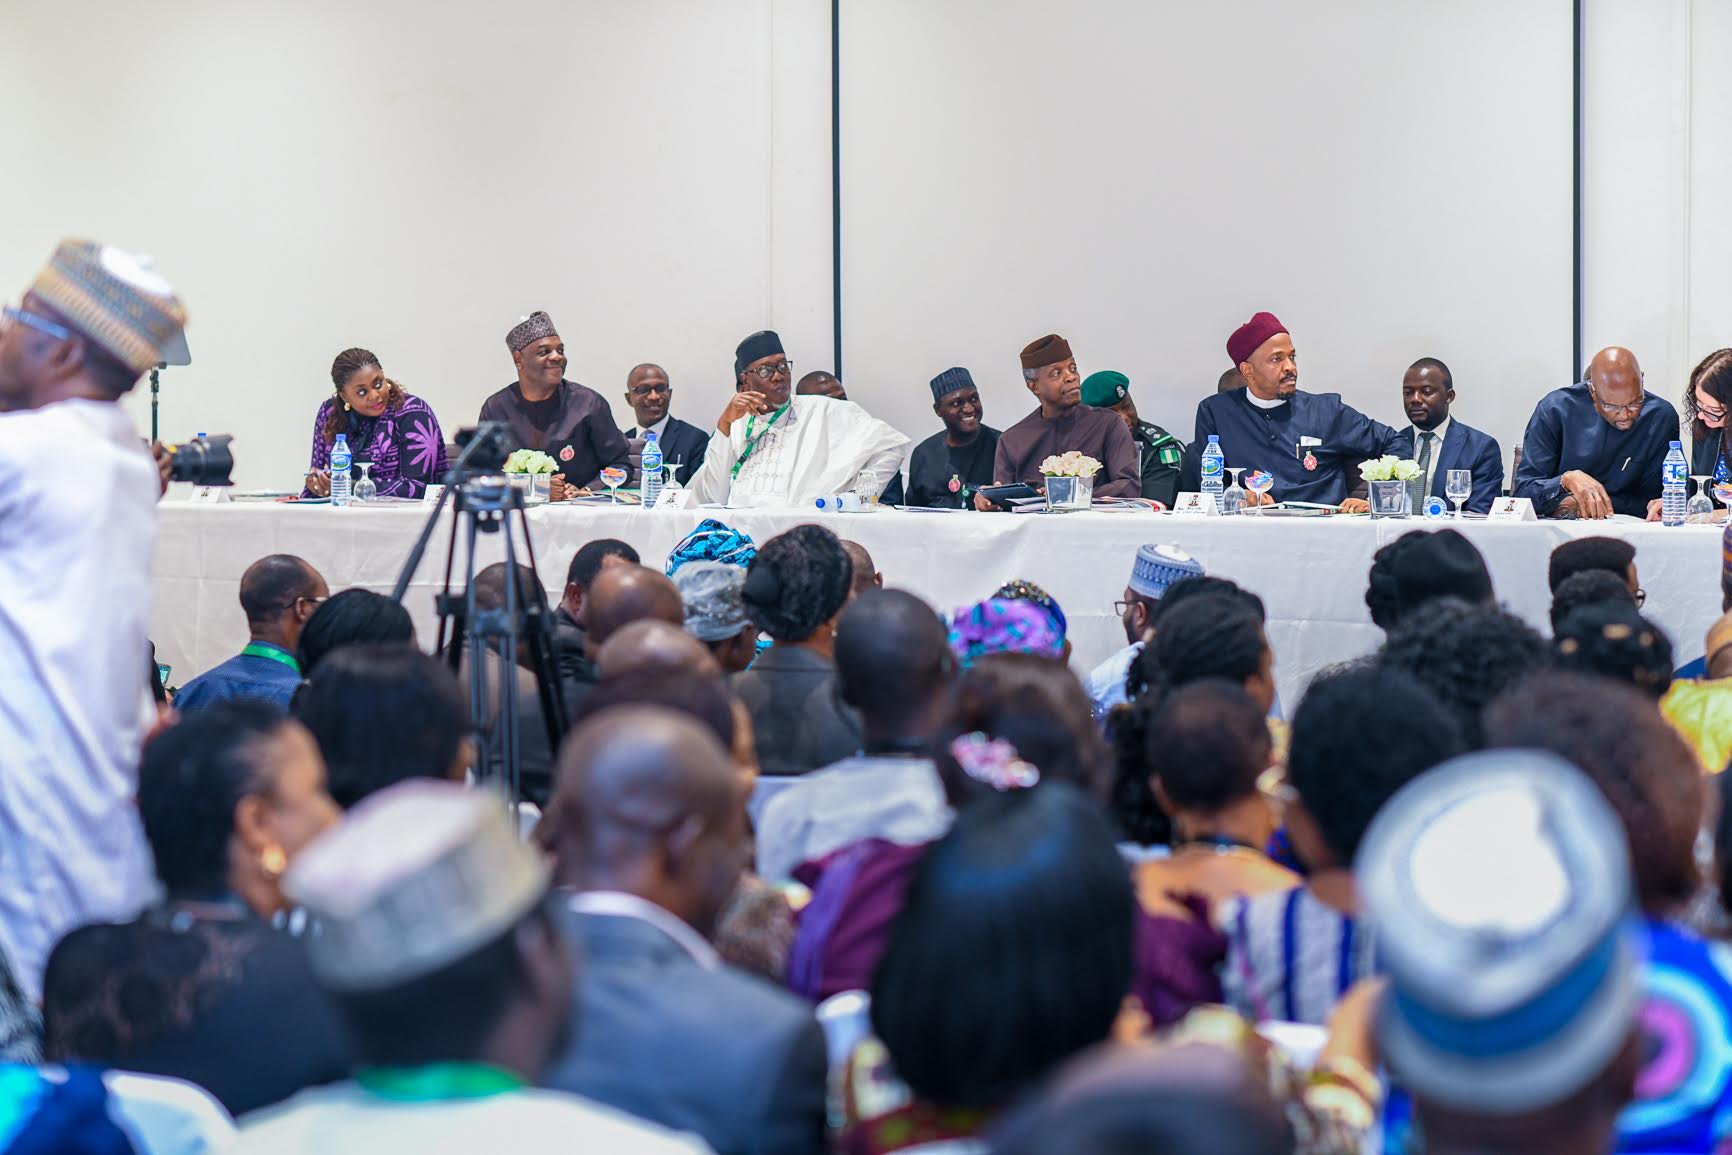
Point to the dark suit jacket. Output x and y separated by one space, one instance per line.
679 439
1465 447
715 1052
797 712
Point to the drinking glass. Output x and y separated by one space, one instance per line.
1233 500
1458 487
1701 503
613 477
1259 482
366 489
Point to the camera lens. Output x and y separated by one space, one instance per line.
206 461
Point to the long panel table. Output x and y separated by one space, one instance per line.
1310 572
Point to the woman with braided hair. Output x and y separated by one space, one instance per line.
385 425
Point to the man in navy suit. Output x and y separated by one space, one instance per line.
1441 443
648 393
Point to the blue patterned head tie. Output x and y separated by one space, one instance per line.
1026 591
712 541
1003 626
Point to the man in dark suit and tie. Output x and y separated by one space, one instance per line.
648 827
648 393
1441 443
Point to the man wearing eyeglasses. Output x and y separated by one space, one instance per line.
278 594
1594 449
78 498
651 397
772 448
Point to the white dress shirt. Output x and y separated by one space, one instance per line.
77 528
1439 433
618 904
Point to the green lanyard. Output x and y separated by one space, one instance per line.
752 442
265 650
437 1082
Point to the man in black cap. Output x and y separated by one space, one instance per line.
945 470
568 421
772 448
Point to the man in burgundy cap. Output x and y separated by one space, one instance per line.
1311 442
1063 423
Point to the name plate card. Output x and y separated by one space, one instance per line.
1196 505
1512 509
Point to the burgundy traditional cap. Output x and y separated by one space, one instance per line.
1249 337
1049 350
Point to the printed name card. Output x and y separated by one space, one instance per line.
210 495
1512 509
1196 505
674 498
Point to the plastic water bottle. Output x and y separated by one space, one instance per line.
1674 494
651 487
341 460
840 503
1213 461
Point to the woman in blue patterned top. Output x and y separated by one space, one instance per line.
394 430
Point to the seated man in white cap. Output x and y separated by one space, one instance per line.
772 448
437 941
1500 884
78 501
1156 567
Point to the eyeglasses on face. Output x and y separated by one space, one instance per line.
12 314
1630 410
642 391
774 369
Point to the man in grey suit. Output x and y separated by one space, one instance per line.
649 830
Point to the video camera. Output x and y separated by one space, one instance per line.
489 455
203 461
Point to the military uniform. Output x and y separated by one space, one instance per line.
1162 455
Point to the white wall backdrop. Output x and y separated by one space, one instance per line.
413 175
1657 182
1392 179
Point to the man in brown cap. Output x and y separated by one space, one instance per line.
569 422
1062 424
78 501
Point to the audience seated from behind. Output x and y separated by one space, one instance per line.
278 594
1033 867
894 667
444 959
1465 656
866 575
1156 569
1015 718
1207 744
1422 566
649 832
715 613
534 742
383 714
1021 590
1616 642
200 987
622 594
1612 554
652 646
570 647
795 590
1701 708
1358 737
351 618
1616 737
1588 588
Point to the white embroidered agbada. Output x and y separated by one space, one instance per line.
77 529
819 446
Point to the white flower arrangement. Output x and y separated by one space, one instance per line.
530 461
1390 468
1072 464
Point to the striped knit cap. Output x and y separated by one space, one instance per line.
116 299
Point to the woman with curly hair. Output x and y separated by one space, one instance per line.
393 429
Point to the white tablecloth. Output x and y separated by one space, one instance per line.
1310 572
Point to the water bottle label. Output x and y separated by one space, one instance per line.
1211 465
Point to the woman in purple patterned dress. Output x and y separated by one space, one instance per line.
394 430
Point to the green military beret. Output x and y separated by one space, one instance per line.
1105 389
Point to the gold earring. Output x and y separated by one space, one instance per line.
345 407
273 862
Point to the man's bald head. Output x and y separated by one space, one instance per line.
622 594
278 594
1230 380
648 803
893 661
866 575
821 384
652 645
1615 378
